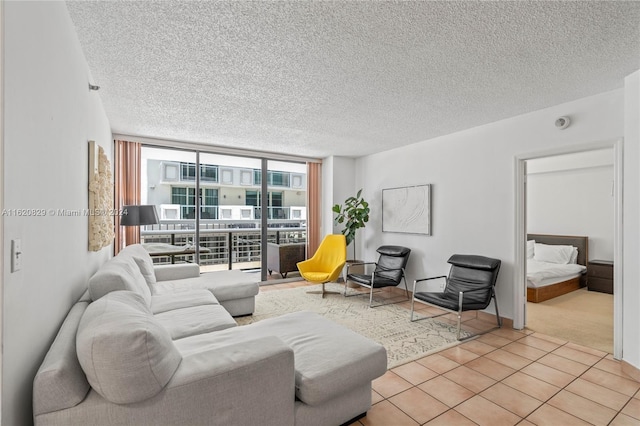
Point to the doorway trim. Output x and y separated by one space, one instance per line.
519 294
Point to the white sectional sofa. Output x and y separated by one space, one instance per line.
147 347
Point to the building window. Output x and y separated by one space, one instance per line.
208 173
274 178
186 198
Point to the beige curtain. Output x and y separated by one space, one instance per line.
127 189
314 198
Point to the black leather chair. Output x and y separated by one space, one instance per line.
470 286
389 271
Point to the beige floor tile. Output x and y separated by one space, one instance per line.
494 340
509 359
438 363
576 355
418 405
592 351
524 351
414 373
551 416
632 409
485 412
511 399
477 347
599 394
624 420
470 379
549 338
614 382
490 368
548 374
611 366
446 391
458 354
390 384
375 397
508 333
538 343
385 414
563 364
526 422
536 388
451 418
582 408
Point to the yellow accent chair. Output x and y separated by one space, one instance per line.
327 263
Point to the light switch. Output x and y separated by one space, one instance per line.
16 255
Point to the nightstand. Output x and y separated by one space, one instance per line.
600 276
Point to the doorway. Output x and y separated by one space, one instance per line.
522 226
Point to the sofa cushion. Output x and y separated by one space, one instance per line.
187 322
184 299
60 382
125 353
141 256
119 273
225 285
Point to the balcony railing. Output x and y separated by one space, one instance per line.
224 244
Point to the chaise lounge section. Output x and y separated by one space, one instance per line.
130 355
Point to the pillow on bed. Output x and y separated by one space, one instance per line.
530 248
574 256
553 254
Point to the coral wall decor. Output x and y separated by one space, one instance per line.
101 227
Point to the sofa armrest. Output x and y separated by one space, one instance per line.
176 272
245 383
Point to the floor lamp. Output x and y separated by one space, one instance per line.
135 215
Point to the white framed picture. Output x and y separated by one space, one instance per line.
407 209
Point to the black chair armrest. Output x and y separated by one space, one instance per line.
349 265
426 279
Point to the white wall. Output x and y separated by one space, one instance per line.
473 192
631 218
574 199
49 116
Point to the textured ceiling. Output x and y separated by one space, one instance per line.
345 78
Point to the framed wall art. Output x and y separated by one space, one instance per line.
407 209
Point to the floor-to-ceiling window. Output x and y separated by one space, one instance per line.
210 207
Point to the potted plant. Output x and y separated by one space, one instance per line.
354 214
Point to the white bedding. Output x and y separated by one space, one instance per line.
540 274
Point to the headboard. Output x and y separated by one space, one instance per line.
582 243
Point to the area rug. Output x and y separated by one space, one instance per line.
388 325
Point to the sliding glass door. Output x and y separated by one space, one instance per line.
218 211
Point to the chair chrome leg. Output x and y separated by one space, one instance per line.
460 299
495 300
323 291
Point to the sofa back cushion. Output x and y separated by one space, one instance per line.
126 355
60 382
143 260
119 273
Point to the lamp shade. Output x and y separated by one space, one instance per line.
138 215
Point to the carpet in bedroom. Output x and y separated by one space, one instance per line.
388 325
583 317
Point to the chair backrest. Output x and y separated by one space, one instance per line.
391 262
470 272
331 253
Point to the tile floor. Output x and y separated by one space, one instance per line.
505 377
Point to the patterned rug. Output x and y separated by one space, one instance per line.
388 325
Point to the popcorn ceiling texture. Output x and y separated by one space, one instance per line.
345 78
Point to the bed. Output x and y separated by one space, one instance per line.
544 284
